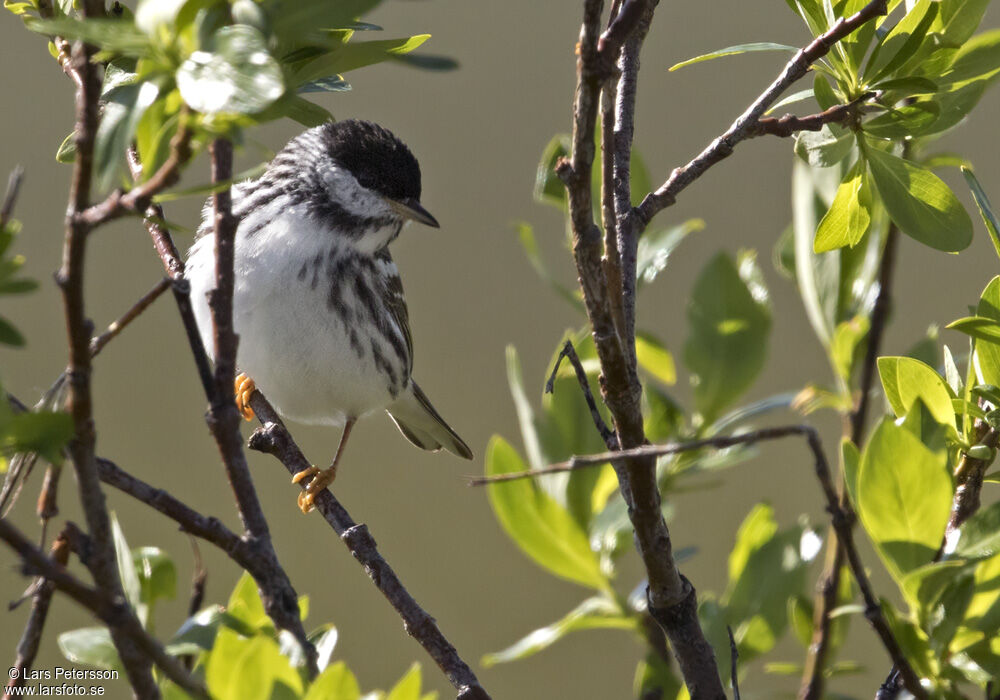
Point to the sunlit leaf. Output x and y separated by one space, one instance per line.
849 216
729 320
735 50
904 497
919 202
541 528
597 612
237 75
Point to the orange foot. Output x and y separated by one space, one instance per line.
244 387
320 479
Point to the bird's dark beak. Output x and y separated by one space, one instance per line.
410 208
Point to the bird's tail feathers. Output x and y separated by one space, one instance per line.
419 423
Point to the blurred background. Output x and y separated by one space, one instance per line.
478 133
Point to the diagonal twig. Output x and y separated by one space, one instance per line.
109 607
276 591
569 352
723 146
274 439
734 656
672 598
70 278
31 638
842 518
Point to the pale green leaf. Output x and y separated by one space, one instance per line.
735 50
849 217
542 528
904 497
905 380
919 202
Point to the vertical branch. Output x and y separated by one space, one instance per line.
672 599
624 129
612 256
828 586
277 594
70 279
31 638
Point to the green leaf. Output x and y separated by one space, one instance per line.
977 327
198 632
654 358
902 42
123 110
597 612
985 208
354 55
90 646
44 432
825 95
851 458
757 528
826 147
408 687
303 111
152 15
958 19
800 613
905 380
427 61
157 574
245 604
847 339
735 50
980 535
525 413
301 22
987 348
250 669
126 569
901 122
335 683
526 235
904 497
729 320
331 83
541 527
119 36
655 248
66 152
238 75
765 570
849 217
549 189
9 335
919 202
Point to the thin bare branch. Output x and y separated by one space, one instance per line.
828 585
672 598
274 439
842 518
624 129
140 197
734 656
723 146
276 591
31 638
790 124
109 607
71 280
14 181
569 352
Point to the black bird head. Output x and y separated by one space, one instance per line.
362 170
